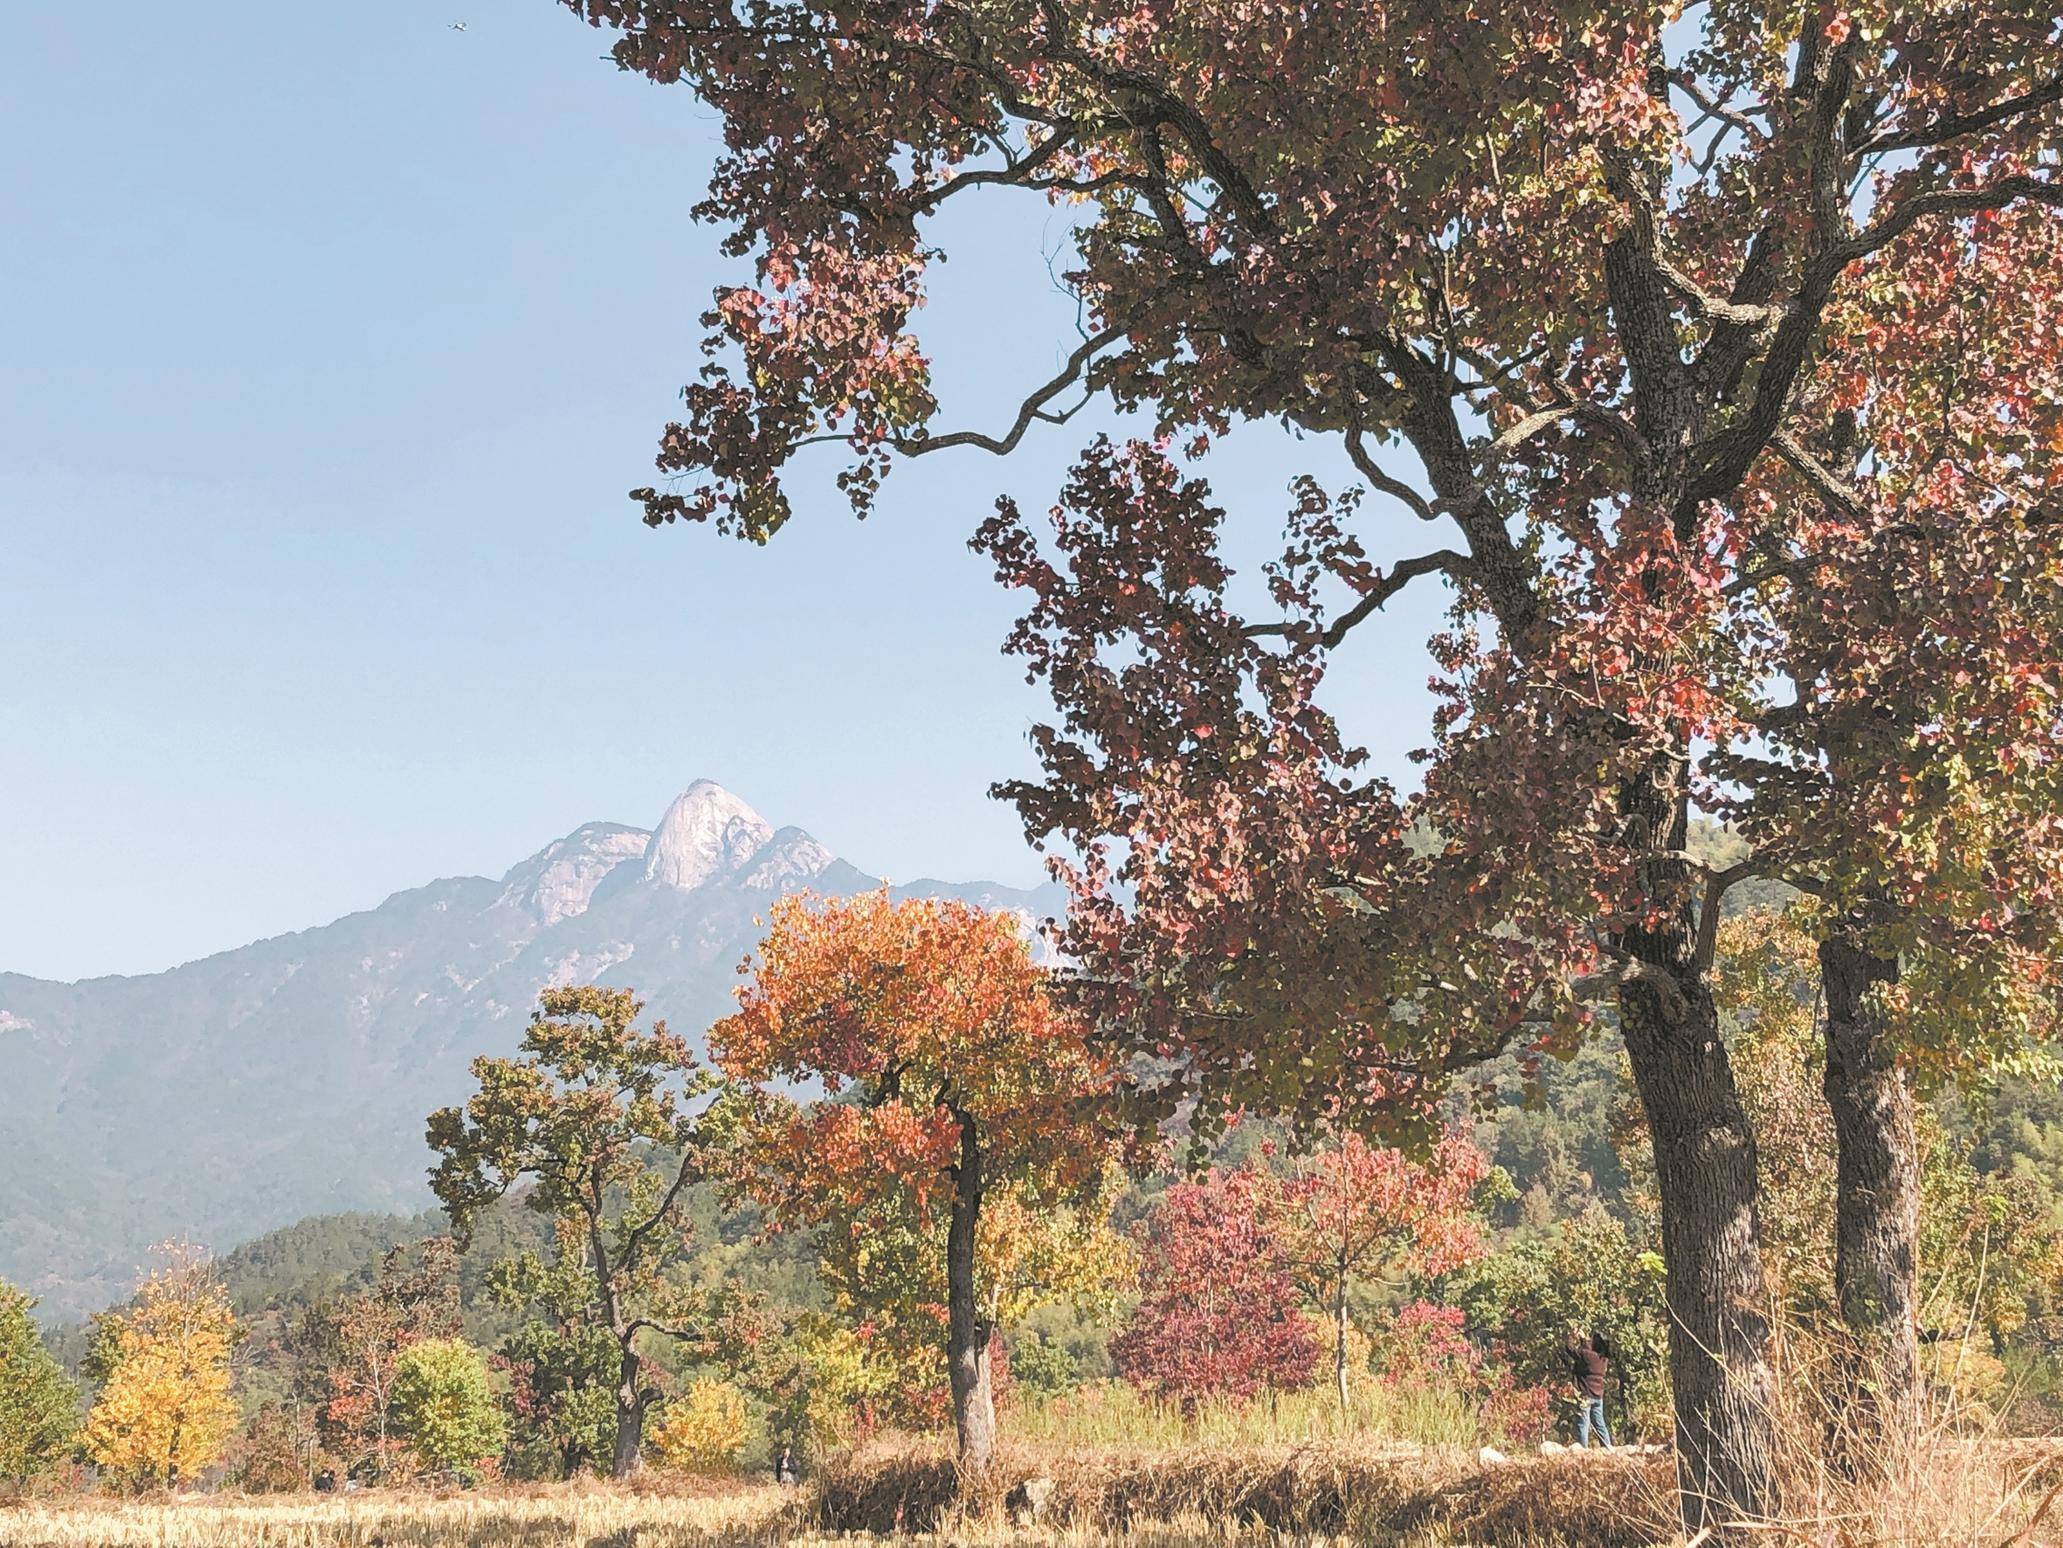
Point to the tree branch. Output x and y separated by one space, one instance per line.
1441 561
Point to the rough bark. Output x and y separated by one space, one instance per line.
632 1399
1876 1213
968 1333
1711 1243
1705 1174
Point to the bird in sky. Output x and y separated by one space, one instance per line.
458 26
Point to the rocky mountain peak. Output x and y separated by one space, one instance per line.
706 832
559 880
789 859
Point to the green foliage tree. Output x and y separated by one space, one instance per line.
561 1360
444 1406
39 1406
584 1114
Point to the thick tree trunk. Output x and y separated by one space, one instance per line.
1876 1214
968 1333
1711 1242
1705 1175
631 1401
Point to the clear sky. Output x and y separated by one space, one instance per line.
331 339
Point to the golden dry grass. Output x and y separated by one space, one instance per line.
1372 1492
1984 1495
576 1515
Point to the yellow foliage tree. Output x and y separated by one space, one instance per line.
164 1409
702 1431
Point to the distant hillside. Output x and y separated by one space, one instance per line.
292 1076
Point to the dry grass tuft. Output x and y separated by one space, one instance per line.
1368 1492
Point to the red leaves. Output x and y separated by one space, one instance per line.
1218 1314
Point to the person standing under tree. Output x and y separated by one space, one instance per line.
1589 1360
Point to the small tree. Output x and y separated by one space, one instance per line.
1218 1314
444 1406
585 1113
415 1297
164 1409
969 1090
1354 1209
39 1406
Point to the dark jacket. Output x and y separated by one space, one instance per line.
1588 1366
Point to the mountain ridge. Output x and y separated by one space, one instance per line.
291 1076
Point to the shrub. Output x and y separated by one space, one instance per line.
704 1430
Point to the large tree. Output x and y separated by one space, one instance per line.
1582 262
601 1118
959 1147
1905 590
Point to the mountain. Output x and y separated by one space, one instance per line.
292 1076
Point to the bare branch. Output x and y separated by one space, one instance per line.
1952 126
1442 561
1816 473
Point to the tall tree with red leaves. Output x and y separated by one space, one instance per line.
1589 265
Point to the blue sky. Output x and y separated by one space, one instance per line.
332 339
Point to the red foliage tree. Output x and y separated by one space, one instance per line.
1219 1315
1591 267
1355 1209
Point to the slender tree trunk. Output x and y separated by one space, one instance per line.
630 1416
1705 1174
1876 1214
1339 1338
968 1333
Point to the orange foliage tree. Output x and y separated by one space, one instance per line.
954 1087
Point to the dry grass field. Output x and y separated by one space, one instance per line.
900 1491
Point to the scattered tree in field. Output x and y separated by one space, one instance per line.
1219 1315
961 1124
703 1429
164 1409
39 1406
602 1119
1603 275
1354 1210
414 1297
444 1407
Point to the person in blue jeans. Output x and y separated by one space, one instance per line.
1589 1360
